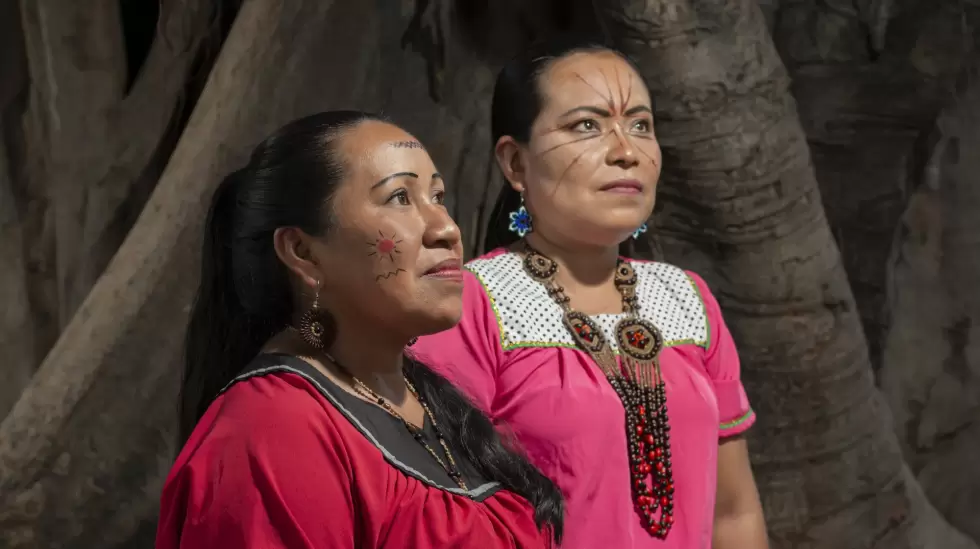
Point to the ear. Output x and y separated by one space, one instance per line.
293 248
511 161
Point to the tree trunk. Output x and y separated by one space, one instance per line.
78 468
869 77
94 147
740 204
17 332
932 379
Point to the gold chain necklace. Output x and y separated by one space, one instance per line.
637 380
449 464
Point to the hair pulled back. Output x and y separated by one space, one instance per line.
516 104
244 295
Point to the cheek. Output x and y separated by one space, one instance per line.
392 254
569 164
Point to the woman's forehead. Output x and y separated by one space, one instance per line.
378 149
600 78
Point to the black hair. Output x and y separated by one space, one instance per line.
516 104
495 457
245 295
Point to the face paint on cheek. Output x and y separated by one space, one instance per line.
385 248
387 275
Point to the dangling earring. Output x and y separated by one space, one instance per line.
314 322
641 230
520 220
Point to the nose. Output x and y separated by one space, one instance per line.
622 152
441 230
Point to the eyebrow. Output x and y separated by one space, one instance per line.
413 175
394 176
604 112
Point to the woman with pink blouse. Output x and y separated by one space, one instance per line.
617 376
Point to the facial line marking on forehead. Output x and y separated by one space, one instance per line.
608 100
394 176
605 80
629 92
407 145
619 87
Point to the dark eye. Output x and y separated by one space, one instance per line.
400 197
439 197
644 126
587 125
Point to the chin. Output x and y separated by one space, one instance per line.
609 227
433 318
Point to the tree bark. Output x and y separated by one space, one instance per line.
739 203
99 146
932 378
869 77
16 327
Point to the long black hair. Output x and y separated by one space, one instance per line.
494 457
245 295
516 104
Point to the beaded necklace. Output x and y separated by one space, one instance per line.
449 464
637 381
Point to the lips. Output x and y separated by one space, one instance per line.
623 186
448 268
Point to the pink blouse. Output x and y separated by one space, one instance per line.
512 355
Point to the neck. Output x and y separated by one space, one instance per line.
581 265
358 351
376 361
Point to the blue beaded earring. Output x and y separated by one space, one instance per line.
641 230
520 220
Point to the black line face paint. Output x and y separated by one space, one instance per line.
407 145
385 248
612 116
388 274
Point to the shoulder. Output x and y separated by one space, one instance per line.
268 418
674 300
264 461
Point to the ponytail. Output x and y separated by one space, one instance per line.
218 342
516 103
245 294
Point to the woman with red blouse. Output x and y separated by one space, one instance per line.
304 425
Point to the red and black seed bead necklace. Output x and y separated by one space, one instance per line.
636 380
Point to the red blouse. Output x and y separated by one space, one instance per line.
278 461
